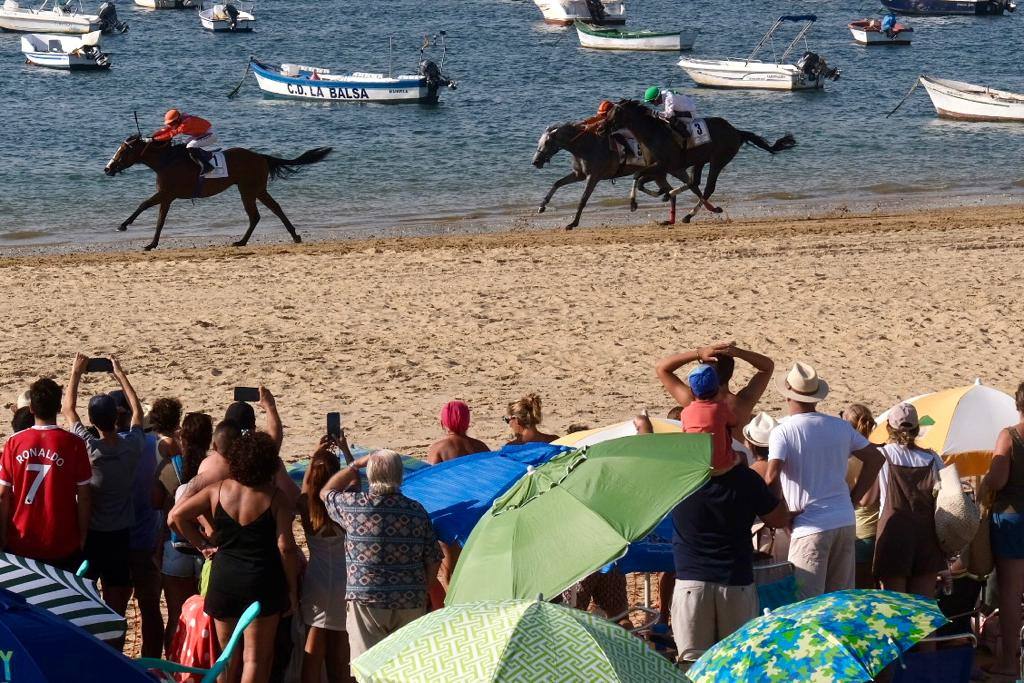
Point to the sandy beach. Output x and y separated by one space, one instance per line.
385 331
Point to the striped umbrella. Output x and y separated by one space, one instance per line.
72 597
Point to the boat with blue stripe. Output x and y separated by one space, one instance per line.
316 83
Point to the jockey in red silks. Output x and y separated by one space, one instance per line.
202 141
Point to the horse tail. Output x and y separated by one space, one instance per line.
286 168
787 141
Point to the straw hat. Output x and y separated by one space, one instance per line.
803 384
757 430
24 400
957 516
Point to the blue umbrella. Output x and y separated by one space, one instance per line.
36 646
457 493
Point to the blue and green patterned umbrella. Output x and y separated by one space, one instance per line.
838 637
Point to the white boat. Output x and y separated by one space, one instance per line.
168 4
968 102
71 53
235 17
809 72
869 32
315 83
598 38
47 18
565 12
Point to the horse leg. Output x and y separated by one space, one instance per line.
149 203
709 188
572 177
587 191
249 204
272 204
697 173
164 206
694 187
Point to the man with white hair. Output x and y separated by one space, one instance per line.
808 454
391 549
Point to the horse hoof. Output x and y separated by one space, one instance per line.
571 226
541 209
149 247
665 197
632 206
686 219
296 239
668 223
717 209
239 243
123 227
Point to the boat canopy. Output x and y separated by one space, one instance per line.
798 17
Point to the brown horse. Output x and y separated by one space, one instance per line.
177 177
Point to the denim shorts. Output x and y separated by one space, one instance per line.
1008 535
179 564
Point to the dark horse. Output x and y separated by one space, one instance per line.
177 177
593 160
664 154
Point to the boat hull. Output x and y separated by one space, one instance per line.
748 75
167 4
872 36
975 103
566 12
665 42
401 91
31 22
948 7
63 62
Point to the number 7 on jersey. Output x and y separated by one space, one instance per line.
43 470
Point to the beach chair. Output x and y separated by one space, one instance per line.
208 675
942 665
776 584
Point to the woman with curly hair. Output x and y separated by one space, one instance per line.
181 564
257 558
165 419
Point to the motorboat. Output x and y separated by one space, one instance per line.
316 83
169 4
71 53
235 17
601 38
810 72
969 102
565 12
48 17
951 7
871 32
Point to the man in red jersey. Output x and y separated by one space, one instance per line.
44 486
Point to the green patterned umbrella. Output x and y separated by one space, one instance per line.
579 511
838 637
516 641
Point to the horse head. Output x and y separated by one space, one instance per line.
547 146
128 154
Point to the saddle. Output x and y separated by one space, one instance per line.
689 133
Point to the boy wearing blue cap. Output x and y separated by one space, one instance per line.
709 415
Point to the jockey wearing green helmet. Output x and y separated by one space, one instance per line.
652 94
679 109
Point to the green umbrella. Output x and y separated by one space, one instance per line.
516 641
577 512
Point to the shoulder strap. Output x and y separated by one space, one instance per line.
179 467
1018 442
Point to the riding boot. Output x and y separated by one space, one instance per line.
202 158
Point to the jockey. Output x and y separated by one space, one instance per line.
679 109
202 140
602 111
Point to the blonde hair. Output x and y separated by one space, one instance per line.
903 437
384 471
526 410
859 415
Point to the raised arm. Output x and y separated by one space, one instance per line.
274 426
343 479
666 368
129 393
69 406
748 396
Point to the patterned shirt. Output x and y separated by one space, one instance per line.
388 541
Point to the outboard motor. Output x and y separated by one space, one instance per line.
109 22
435 79
596 9
815 67
232 13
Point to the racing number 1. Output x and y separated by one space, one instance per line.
43 470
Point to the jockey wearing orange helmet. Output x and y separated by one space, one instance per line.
602 112
202 140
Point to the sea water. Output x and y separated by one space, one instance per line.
465 163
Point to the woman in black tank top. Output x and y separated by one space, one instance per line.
253 551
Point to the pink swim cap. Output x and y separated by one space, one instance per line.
455 417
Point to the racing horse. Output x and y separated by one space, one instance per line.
664 154
177 177
593 160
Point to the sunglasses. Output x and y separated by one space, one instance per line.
508 418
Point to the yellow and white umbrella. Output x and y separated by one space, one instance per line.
961 425
620 429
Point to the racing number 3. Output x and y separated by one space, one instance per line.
43 470
698 128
